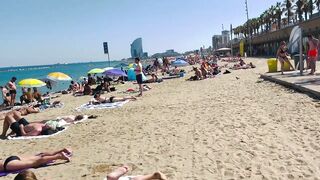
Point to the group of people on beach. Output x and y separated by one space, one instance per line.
312 55
16 121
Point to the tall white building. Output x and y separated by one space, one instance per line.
221 41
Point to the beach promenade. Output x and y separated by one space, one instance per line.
234 126
305 84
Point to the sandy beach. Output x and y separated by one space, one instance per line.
220 128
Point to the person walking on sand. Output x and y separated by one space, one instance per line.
138 71
283 56
12 90
313 53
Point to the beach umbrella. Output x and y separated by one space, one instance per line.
107 68
179 63
53 82
115 72
132 65
31 83
59 76
96 71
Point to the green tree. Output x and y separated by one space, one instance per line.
278 13
288 5
310 7
317 3
299 9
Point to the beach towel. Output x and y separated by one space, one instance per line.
102 106
47 106
36 137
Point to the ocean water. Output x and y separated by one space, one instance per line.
74 70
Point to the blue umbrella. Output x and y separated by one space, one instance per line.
115 72
179 63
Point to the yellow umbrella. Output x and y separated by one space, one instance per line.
31 83
96 71
59 76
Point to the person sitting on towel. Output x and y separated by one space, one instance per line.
154 78
21 127
98 99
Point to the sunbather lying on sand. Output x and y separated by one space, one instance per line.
98 99
21 127
15 163
23 110
243 66
121 171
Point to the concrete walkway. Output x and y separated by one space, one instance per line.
308 84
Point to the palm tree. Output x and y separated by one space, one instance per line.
317 3
299 9
310 8
288 4
262 20
278 13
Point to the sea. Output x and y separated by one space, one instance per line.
74 70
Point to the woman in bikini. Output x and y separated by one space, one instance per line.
282 55
98 99
15 163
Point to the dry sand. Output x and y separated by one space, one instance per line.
220 128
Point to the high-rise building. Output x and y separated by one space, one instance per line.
221 41
216 41
136 48
225 37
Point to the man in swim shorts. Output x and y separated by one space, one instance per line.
312 53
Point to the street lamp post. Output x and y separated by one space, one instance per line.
248 29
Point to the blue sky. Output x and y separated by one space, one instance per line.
36 32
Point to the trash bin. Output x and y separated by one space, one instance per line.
297 60
272 65
286 66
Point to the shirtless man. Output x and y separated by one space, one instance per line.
312 53
20 126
